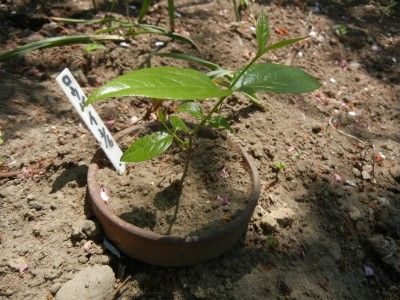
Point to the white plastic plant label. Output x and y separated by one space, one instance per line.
92 120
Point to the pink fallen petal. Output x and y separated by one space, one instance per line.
337 177
23 269
343 64
87 246
379 157
344 106
103 194
224 200
224 173
110 123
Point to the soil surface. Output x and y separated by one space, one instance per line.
326 228
216 189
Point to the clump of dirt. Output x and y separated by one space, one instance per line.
215 190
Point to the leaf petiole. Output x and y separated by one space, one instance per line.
183 143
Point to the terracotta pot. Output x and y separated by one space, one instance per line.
168 250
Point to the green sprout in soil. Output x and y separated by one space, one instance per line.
340 30
190 87
279 166
1 138
272 242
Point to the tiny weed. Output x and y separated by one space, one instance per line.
279 166
272 242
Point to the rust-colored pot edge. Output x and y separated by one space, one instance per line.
157 249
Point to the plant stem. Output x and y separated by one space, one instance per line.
205 119
193 133
171 14
182 142
235 7
187 160
236 78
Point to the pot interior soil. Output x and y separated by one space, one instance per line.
215 190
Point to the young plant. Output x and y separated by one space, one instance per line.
239 7
279 166
58 41
171 12
191 86
94 41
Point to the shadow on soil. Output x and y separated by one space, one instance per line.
25 104
364 24
313 257
207 160
71 173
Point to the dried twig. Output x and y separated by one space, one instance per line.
346 134
119 290
373 160
26 172
10 174
293 54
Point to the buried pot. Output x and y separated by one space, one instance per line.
171 250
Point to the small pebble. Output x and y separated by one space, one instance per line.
356 172
316 129
83 259
36 205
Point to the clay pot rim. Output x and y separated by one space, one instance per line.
94 191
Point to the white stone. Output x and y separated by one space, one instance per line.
95 283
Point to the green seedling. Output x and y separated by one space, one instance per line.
58 41
386 10
239 7
191 87
94 41
340 30
279 166
171 12
272 242
1 138
143 9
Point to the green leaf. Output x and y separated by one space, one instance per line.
76 21
161 83
192 108
153 29
276 78
178 124
283 43
171 14
279 166
161 114
187 57
219 122
218 73
144 9
1 138
148 147
262 32
57 41
94 46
